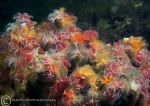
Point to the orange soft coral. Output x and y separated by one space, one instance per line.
89 35
91 77
67 21
136 43
61 16
22 33
96 45
102 59
105 80
88 73
77 38
68 97
82 37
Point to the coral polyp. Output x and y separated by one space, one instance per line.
74 67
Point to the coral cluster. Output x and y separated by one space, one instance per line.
76 66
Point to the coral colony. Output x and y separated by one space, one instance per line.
76 66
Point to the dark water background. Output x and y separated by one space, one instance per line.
113 19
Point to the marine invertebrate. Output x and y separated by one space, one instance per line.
88 73
59 87
135 43
75 66
102 58
68 97
78 82
65 20
141 57
106 80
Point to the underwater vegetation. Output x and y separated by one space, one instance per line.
58 60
